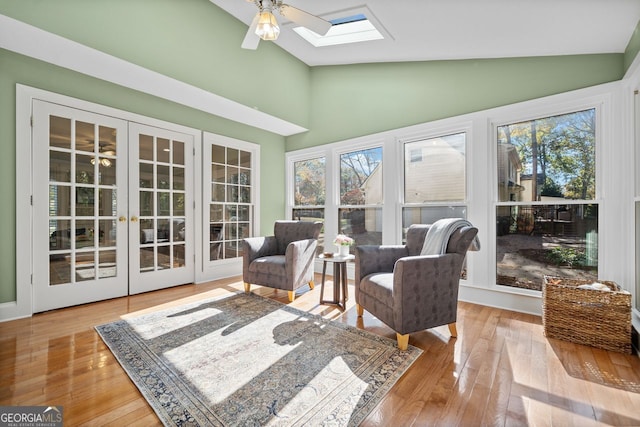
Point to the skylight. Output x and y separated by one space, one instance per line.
348 29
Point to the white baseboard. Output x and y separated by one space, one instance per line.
11 311
499 298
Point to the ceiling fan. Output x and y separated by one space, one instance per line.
264 25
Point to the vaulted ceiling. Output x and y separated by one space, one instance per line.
423 30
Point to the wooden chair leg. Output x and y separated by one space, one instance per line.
312 285
292 295
403 341
359 310
453 330
247 287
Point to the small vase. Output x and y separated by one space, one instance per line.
343 250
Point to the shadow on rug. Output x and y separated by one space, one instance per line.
247 360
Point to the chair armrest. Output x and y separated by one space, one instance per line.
299 255
426 286
257 247
377 259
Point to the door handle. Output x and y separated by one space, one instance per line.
134 219
122 219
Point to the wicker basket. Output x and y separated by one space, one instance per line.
584 316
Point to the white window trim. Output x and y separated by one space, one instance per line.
212 270
615 196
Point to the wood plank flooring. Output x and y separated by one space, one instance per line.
500 371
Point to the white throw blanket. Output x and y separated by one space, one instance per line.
437 238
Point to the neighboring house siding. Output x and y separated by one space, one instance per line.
439 176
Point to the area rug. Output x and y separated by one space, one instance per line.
246 360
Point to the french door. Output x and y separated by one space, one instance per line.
161 206
112 207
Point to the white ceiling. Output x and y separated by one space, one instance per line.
423 30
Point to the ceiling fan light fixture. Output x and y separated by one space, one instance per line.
103 162
267 28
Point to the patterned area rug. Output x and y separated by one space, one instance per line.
246 360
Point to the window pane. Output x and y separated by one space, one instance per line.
230 213
547 158
534 241
364 225
434 169
361 177
85 136
312 214
59 132
429 215
309 183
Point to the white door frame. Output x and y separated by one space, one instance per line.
25 95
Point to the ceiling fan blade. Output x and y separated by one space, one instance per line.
251 40
312 22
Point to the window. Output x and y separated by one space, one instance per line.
434 179
360 209
546 218
231 206
345 29
309 192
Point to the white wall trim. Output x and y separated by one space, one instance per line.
22 306
504 299
33 42
223 268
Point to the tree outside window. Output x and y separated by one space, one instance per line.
546 222
309 193
360 212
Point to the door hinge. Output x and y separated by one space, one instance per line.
31 120
31 199
194 151
194 204
32 279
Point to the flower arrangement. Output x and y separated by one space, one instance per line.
343 240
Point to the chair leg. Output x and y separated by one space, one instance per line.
312 285
292 295
403 341
247 287
453 330
359 310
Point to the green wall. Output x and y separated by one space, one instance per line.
354 100
191 40
16 68
633 48
196 42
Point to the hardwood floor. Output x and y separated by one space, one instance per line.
500 371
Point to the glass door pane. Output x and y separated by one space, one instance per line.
81 194
161 209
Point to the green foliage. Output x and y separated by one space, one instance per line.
561 148
310 182
551 189
567 256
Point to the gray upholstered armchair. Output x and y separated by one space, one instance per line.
407 291
284 260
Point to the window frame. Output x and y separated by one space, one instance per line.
539 111
227 267
448 127
614 189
